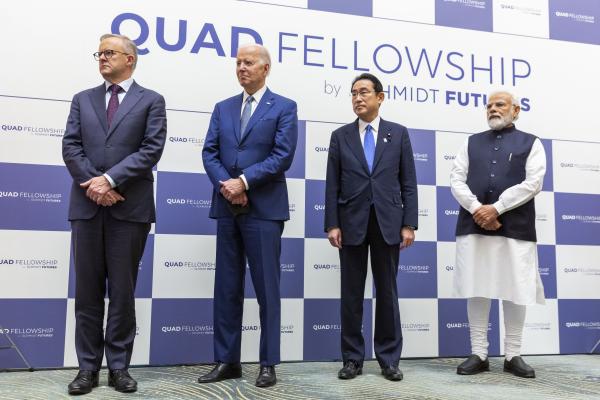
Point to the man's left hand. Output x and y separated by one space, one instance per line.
96 188
232 187
408 237
485 215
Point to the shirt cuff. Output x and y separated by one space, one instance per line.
499 207
243 178
474 206
110 180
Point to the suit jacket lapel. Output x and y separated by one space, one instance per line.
381 146
353 139
266 102
134 94
236 115
98 99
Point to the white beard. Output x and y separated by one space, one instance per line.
497 124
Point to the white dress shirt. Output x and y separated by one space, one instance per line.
362 129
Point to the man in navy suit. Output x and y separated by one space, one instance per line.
249 145
115 134
370 203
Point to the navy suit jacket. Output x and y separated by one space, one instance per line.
264 153
391 187
126 152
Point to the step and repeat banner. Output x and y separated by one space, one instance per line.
437 60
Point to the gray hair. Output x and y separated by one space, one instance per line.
128 44
515 100
263 53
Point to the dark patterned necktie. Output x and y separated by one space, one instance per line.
113 103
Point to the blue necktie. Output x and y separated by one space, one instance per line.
369 147
246 115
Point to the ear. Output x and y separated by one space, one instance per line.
516 111
380 97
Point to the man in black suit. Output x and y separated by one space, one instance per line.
370 201
115 134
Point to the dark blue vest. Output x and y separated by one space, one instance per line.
496 162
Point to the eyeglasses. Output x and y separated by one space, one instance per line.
107 54
362 94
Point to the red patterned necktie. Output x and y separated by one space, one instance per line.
113 103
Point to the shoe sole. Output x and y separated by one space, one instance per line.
518 374
80 392
128 390
359 372
478 371
265 385
223 378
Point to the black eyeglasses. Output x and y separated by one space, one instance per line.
362 94
107 54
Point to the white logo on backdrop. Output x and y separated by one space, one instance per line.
468 3
188 329
590 19
29 332
32 130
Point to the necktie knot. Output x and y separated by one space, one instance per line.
114 89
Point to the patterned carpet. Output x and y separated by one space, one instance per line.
559 377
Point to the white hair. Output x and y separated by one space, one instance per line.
263 53
514 100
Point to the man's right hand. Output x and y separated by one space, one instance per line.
335 237
492 226
110 198
241 199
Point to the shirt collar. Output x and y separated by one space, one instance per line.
125 85
257 95
362 125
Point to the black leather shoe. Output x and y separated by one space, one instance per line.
518 367
350 369
122 381
83 382
222 371
473 365
266 377
392 373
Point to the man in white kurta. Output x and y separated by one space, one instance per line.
495 177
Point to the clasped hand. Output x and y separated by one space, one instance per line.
234 191
486 217
100 191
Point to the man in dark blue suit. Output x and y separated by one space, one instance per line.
370 202
115 134
249 145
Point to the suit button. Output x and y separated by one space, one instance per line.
101 169
492 175
496 148
499 137
493 161
490 191
108 146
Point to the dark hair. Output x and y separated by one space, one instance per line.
370 77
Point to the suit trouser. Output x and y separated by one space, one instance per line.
106 249
384 265
260 241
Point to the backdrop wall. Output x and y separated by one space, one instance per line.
437 60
